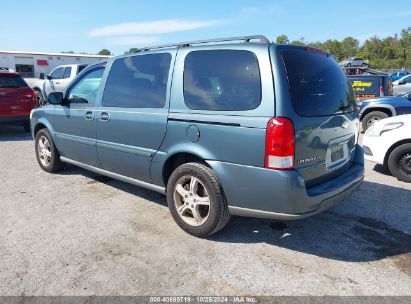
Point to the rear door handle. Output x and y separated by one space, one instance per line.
89 115
104 116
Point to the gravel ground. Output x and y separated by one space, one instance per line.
77 233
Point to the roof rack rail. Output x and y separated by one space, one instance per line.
262 39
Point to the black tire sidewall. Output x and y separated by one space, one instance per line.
216 201
394 159
55 163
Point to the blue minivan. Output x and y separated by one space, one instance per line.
233 126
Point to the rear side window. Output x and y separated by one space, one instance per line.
138 82
222 80
67 73
317 84
12 81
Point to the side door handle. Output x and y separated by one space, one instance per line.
104 116
89 115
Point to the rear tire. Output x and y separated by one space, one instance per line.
399 163
47 154
196 200
371 118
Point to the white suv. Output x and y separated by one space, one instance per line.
388 142
353 62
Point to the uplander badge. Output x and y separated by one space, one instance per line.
307 160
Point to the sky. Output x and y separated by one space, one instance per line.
89 26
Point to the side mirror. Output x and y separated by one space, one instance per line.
409 96
401 82
49 77
55 98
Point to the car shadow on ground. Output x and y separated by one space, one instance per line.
339 233
14 133
382 170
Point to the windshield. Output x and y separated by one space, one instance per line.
317 84
12 81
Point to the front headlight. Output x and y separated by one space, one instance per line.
378 128
31 114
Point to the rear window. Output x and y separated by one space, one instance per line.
12 81
222 80
317 84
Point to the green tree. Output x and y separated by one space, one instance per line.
104 52
132 50
349 47
282 39
301 42
334 48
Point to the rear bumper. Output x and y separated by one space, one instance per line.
11 120
258 192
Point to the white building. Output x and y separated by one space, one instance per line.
32 64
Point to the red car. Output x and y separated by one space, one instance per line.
17 100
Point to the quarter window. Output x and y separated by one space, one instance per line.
222 80
85 90
138 82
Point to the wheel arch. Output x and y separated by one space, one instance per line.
38 89
179 158
397 144
42 124
387 109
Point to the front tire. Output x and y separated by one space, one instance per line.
399 163
196 200
371 118
39 98
47 154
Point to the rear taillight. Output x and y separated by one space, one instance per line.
279 144
27 95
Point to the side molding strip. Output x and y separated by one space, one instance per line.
122 178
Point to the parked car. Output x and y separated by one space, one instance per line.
56 81
206 124
398 75
353 62
401 86
16 100
388 143
5 69
375 109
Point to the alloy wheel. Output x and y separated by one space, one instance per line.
44 151
191 200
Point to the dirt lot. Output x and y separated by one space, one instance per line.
76 233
